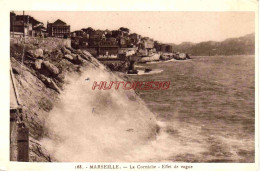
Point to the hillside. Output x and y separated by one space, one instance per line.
244 45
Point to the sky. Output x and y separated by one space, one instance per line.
166 27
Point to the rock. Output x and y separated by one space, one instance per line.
35 53
86 53
182 55
38 63
38 53
49 83
52 68
61 77
74 56
65 50
88 58
54 86
30 53
80 69
57 51
38 152
77 59
46 51
46 56
69 57
72 50
58 55
15 71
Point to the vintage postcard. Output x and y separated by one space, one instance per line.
155 89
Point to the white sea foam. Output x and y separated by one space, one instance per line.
94 125
156 71
141 72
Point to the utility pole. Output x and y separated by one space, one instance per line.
13 18
23 25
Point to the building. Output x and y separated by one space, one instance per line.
148 43
117 33
103 48
39 30
26 25
58 29
123 42
135 38
108 51
20 25
79 33
163 47
108 42
157 46
97 35
108 32
169 49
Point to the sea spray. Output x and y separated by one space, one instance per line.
94 126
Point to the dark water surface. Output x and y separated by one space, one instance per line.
208 109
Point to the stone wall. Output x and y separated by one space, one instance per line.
43 43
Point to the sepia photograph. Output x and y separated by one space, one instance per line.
132 86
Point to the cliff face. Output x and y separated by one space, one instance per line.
40 77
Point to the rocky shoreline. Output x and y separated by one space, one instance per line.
40 77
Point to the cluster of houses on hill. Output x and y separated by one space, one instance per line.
100 43
113 43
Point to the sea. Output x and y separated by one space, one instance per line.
210 103
206 115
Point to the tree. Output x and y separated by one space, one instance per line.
88 30
124 29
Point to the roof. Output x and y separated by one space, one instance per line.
59 22
89 29
78 31
39 27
